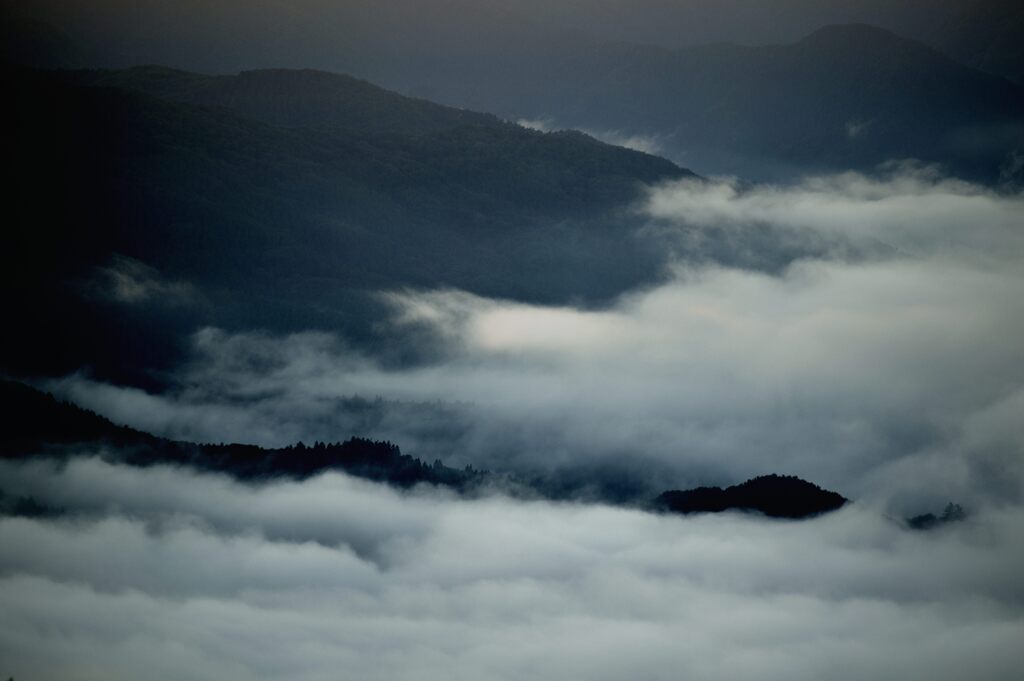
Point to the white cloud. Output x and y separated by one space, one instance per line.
895 376
906 359
170 574
540 124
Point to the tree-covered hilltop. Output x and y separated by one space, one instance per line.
952 513
36 423
777 496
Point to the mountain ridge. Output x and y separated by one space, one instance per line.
38 424
767 112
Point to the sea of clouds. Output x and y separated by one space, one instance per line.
888 365
162 573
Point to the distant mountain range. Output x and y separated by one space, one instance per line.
845 97
374 37
36 424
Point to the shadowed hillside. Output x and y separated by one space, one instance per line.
282 227
843 97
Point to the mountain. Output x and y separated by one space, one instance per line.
988 35
38 424
844 97
296 98
776 496
382 38
847 96
952 513
135 219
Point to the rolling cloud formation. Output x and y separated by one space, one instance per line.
162 573
884 359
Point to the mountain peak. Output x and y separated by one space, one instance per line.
860 33
864 43
860 39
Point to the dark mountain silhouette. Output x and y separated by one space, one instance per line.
777 496
287 227
36 423
844 97
381 38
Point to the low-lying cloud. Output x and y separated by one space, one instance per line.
906 210
886 362
890 366
163 573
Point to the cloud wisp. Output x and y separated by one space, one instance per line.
648 144
128 281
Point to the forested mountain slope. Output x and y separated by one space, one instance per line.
233 221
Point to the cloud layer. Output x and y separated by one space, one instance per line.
890 365
160 573
882 357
